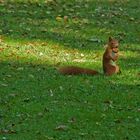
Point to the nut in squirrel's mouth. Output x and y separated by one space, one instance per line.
115 51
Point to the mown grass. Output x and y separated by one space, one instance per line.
36 102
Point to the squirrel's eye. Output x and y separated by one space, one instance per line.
116 46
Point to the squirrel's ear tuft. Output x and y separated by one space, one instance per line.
110 39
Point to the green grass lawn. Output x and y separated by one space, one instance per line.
39 36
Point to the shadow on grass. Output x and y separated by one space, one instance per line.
30 90
86 20
130 63
15 76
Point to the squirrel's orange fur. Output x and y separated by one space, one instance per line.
110 56
73 70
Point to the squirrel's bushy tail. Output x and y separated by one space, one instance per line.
73 70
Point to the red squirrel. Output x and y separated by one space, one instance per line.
110 57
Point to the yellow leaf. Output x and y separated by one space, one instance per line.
58 18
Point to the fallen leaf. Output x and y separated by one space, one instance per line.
1 49
26 100
108 102
118 121
40 114
83 134
61 128
85 21
20 68
13 95
4 85
72 120
65 18
31 76
59 18
131 19
7 131
94 40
